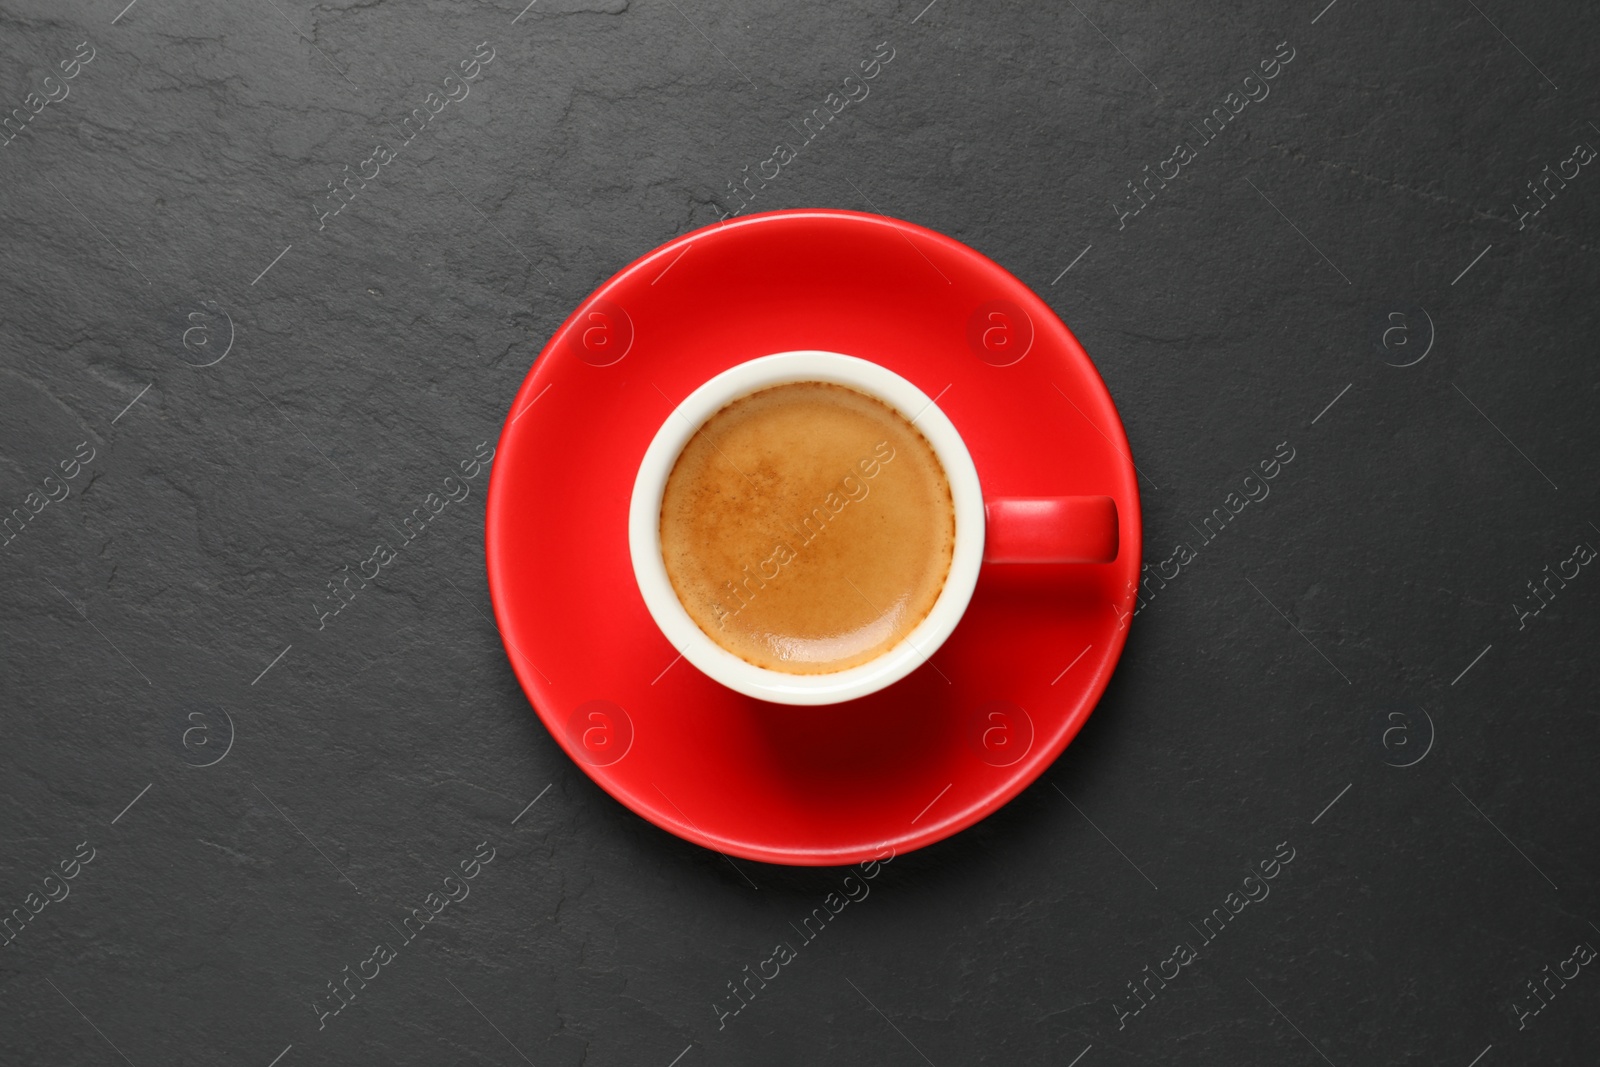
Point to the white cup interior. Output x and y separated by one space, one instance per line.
644 528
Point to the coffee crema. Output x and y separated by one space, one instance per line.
807 528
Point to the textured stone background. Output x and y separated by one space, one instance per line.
156 618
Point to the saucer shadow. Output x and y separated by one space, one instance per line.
884 750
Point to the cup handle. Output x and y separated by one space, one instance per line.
1050 529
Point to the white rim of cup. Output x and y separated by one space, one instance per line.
695 645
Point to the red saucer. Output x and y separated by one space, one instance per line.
905 767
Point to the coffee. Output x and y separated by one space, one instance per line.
807 528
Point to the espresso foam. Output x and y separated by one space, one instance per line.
807 528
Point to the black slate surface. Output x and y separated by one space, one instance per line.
227 400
